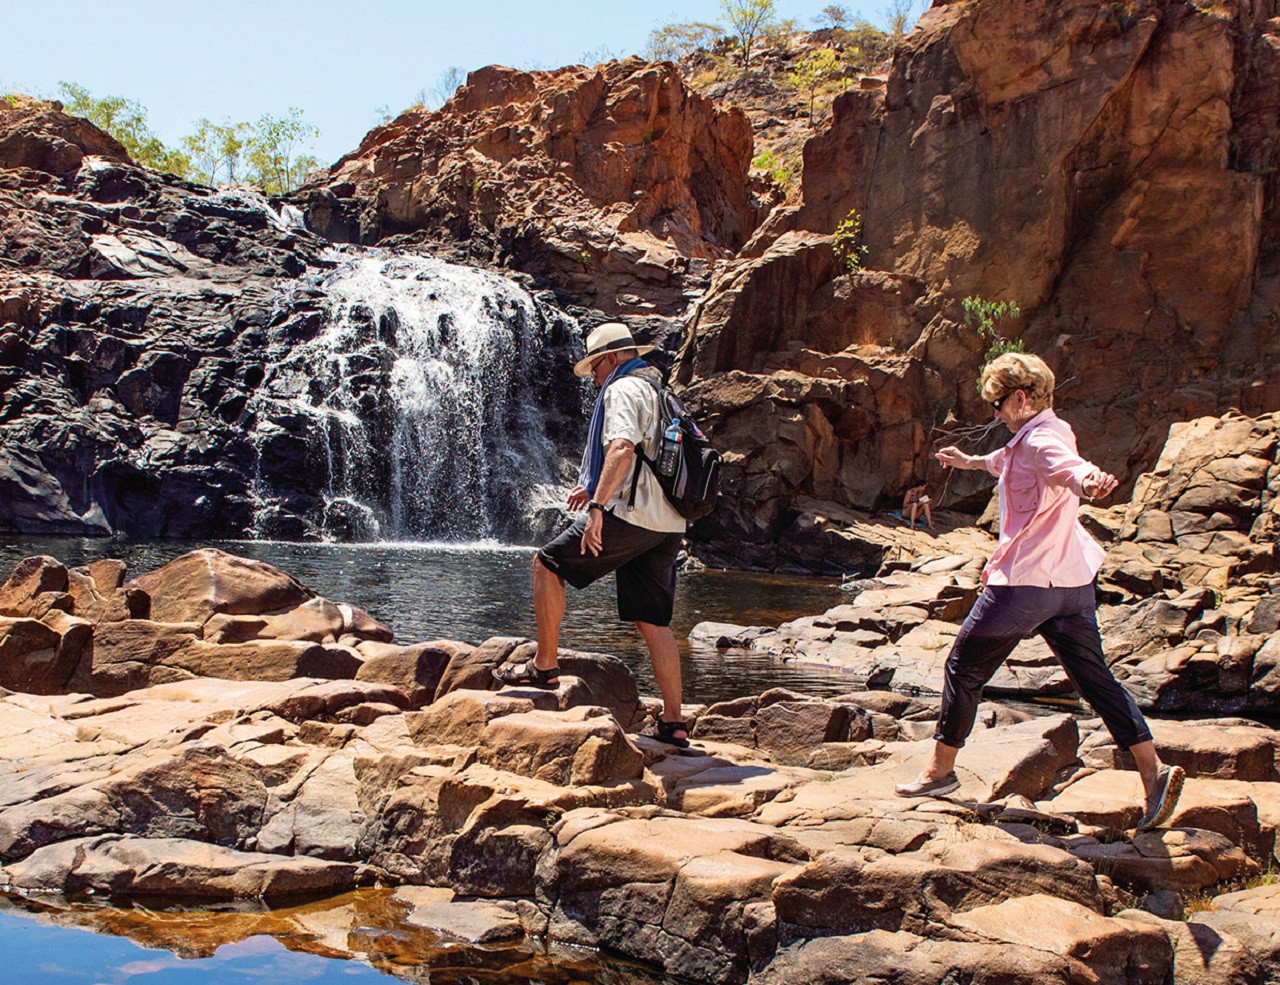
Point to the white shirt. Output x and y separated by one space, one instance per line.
631 412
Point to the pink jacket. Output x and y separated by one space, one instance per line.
1041 540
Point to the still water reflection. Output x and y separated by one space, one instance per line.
433 591
354 938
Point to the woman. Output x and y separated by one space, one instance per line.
1039 580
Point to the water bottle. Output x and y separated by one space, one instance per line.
670 449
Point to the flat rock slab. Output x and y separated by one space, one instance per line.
174 867
474 921
1116 950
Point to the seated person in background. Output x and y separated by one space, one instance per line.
915 499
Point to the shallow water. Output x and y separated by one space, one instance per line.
357 937
440 591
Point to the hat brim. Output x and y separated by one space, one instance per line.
583 366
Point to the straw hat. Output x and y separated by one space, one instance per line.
609 337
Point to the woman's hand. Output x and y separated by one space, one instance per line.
953 458
1098 485
578 498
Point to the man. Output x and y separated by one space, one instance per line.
637 541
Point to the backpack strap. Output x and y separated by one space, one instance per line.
640 455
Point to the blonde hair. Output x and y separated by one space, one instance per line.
1019 371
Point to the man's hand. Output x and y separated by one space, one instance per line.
578 498
953 458
593 536
1098 484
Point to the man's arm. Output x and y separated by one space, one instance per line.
618 458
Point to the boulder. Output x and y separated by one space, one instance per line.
1177 859
856 890
909 959
1253 917
35 657
473 921
1109 949
1203 955
209 582
415 670
578 748
35 585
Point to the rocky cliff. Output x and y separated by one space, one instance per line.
615 183
172 361
1112 168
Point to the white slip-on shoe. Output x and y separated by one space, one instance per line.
921 787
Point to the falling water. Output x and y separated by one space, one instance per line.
436 400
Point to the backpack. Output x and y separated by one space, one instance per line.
687 467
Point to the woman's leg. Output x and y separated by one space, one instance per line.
1076 642
998 622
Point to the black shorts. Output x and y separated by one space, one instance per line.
644 562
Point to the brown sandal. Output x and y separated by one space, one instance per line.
527 674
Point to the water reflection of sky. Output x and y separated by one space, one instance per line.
42 954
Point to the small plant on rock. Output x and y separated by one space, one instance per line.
846 242
985 317
781 171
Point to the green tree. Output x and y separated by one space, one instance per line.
748 19
271 147
865 46
216 152
126 120
811 72
671 42
832 15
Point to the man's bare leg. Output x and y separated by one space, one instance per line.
548 610
665 656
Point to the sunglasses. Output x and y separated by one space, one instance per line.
999 401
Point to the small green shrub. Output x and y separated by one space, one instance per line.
846 242
783 172
985 316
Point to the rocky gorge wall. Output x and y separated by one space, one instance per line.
1112 168
617 184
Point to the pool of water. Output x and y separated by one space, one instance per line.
435 591
355 938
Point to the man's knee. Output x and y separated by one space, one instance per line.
542 574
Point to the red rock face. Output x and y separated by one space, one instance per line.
608 180
39 136
1111 167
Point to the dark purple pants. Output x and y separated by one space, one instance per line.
1002 618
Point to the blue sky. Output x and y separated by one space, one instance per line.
338 61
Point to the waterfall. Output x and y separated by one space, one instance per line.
425 401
